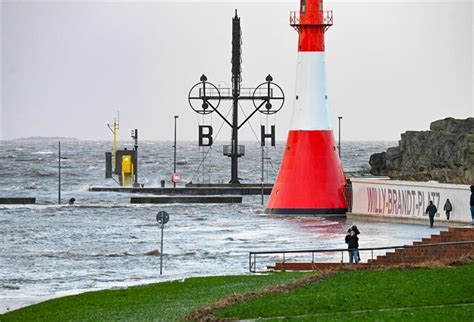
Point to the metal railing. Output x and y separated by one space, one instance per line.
253 255
225 92
212 93
227 150
295 19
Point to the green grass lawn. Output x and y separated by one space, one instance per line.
163 301
442 294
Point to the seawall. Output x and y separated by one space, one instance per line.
406 201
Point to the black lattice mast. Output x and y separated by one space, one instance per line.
210 97
236 79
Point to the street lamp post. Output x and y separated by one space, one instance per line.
59 172
174 146
339 143
135 160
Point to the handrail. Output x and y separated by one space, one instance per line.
327 19
312 251
226 93
346 249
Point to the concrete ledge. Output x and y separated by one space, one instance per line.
398 220
194 191
186 199
17 201
228 185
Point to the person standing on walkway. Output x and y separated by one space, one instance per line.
448 207
431 211
353 244
471 203
356 232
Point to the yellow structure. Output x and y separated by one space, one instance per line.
122 161
127 170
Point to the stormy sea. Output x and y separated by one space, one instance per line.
102 241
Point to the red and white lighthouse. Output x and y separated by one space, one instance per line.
311 179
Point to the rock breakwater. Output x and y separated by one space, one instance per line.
445 153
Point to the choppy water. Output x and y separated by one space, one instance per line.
101 242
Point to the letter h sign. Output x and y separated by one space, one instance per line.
264 136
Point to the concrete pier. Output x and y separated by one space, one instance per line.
225 185
186 199
193 191
17 201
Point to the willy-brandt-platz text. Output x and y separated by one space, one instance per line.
400 201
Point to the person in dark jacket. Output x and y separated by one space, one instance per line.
431 211
357 232
471 203
448 207
353 244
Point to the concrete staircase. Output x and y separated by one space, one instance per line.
410 255
433 253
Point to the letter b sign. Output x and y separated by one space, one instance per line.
205 135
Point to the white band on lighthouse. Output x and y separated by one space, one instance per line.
310 111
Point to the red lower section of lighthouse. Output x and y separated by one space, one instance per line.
311 179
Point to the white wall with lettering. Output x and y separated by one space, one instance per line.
407 199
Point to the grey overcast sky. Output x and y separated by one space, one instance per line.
68 66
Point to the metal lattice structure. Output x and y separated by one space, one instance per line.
205 98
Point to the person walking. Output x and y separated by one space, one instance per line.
448 207
353 244
471 203
431 211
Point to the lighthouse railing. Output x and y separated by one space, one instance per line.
295 19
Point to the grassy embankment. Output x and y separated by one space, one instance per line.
424 294
440 294
162 301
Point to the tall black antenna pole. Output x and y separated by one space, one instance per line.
236 79
174 154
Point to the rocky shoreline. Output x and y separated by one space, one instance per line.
445 154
